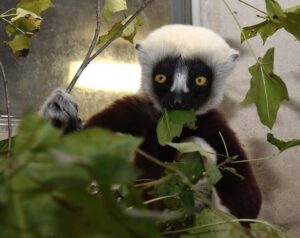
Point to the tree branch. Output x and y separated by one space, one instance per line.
5 83
102 48
91 48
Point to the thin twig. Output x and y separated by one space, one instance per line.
116 35
241 29
90 51
9 10
9 133
104 46
249 5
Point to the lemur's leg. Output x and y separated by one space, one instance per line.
61 110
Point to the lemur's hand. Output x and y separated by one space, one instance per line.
61 110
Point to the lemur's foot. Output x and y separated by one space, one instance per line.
61 110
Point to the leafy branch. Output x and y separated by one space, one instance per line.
114 36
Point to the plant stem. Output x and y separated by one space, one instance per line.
9 10
225 146
241 29
6 95
8 15
253 160
102 48
249 5
161 198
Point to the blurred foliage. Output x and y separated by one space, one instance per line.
83 185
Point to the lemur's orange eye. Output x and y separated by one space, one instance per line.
160 78
201 81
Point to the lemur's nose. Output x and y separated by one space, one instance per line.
177 102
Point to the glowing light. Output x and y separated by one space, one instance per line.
108 76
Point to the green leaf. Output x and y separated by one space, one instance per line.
171 123
278 18
128 33
191 166
113 6
36 6
280 144
267 89
265 30
209 224
19 45
115 28
213 174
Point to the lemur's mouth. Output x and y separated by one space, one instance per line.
178 102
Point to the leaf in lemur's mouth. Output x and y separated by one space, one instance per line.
171 123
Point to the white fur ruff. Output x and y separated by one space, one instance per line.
188 42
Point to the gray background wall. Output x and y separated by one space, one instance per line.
279 179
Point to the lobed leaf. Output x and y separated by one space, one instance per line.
280 144
267 90
277 18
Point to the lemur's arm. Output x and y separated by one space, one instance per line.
133 115
61 110
242 196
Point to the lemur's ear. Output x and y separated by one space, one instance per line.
233 54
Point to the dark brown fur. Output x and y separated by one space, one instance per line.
136 115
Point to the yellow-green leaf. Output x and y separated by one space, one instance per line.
267 90
113 6
36 6
130 31
115 28
19 45
127 34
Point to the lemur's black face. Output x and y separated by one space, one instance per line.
181 84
